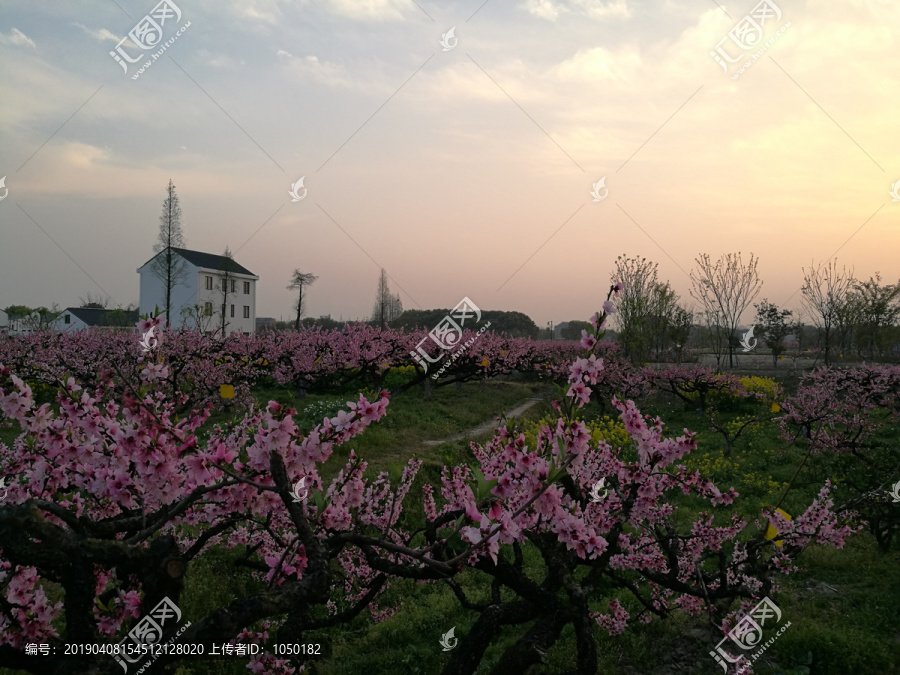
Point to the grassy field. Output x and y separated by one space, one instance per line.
844 606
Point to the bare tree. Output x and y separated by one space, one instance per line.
664 309
387 306
634 303
725 289
848 317
169 268
798 326
825 291
199 315
92 301
395 308
775 327
879 308
41 318
298 281
680 329
227 287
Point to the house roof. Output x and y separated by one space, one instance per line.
207 260
104 317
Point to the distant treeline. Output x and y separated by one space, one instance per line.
514 324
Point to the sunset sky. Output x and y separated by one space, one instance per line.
462 172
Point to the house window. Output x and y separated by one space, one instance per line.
68 319
207 309
209 283
246 288
232 311
224 285
233 286
246 311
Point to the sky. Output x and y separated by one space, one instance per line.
455 144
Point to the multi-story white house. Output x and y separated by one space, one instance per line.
209 280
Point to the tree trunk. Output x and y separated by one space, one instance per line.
465 660
531 649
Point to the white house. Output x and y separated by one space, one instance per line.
84 318
201 292
24 325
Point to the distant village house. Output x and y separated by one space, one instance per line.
87 318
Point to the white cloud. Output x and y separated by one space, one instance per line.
98 34
595 9
266 11
601 10
310 67
461 82
16 37
543 9
82 155
600 64
371 9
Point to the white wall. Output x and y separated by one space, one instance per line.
193 291
74 323
239 299
153 293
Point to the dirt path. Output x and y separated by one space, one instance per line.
487 426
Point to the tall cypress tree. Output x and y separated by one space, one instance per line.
169 267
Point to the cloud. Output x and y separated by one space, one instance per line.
310 67
16 37
99 34
594 9
265 11
543 9
601 10
370 9
273 11
465 82
591 65
82 155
